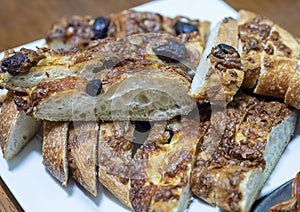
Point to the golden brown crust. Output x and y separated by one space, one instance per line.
82 148
129 22
220 171
10 109
160 178
292 96
279 61
276 76
254 31
227 187
114 158
226 33
252 64
223 78
268 54
8 117
55 149
282 43
203 177
220 72
107 53
79 31
16 129
71 31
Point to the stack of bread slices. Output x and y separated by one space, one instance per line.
154 108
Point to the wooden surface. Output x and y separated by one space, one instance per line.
23 21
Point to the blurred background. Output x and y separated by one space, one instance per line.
23 21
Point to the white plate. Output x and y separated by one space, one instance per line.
37 191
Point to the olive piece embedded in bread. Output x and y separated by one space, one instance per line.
94 87
223 49
142 126
12 64
100 27
109 63
20 62
173 51
183 27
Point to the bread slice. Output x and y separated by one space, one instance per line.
82 154
157 178
278 64
241 162
292 96
254 32
70 31
24 69
282 43
219 132
129 22
16 128
54 152
160 179
220 72
140 92
269 55
115 151
79 31
275 76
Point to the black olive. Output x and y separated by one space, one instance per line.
106 64
142 126
183 27
13 63
100 27
222 49
94 87
171 52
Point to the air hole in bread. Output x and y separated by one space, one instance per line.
144 99
82 116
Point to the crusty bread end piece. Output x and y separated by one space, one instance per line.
82 154
16 128
282 43
275 76
292 96
278 63
54 150
269 54
115 149
254 31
